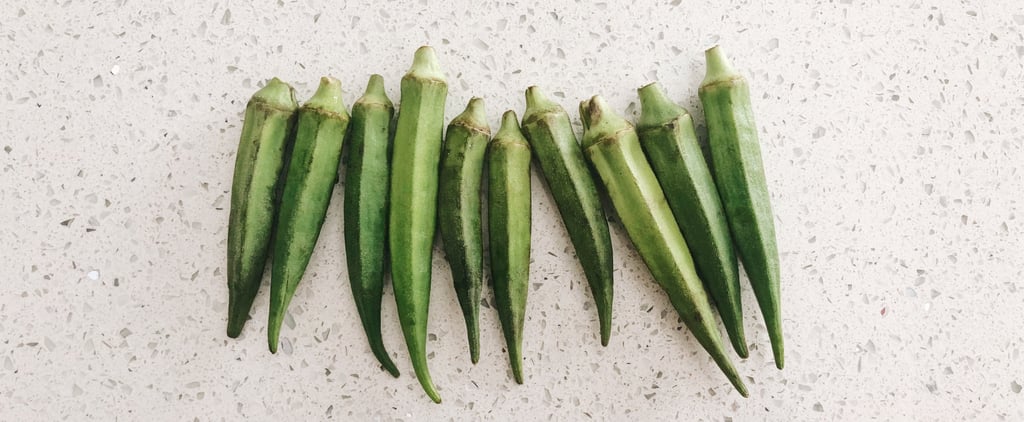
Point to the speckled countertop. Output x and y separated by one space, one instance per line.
892 142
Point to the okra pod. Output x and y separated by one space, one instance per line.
739 175
413 211
266 134
547 128
610 144
462 164
312 172
670 143
366 209
508 218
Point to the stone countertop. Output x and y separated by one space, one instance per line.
892 145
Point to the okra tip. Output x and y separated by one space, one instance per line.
730 371
238 311
235 323
327 96
277 94
425 65
741 388
234 329
517 372
718 67
474 117
537 102
509 130
585 114
375 92
600 121
605 322
777 349
273 335
656 108
431 391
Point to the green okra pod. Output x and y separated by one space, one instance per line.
312 172
508 218
266 133
413 211
547 127
739 175
610 144
462 164
366 209
670 143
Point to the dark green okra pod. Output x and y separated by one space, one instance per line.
739 175
413 211
547 127
266 132
508 218
312 172
670 143
462 165
366 209
611 145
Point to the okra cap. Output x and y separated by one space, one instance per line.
599 121
277 94
375 92
509 133
328 97
656 109
538 104
425 65
719 69
474 117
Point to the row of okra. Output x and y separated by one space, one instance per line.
406 177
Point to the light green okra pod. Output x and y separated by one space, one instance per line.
312 172
462 165
508 218
366 209
547 127
670 143
612 147
266 133
413 213
739 175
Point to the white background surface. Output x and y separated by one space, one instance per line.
891 139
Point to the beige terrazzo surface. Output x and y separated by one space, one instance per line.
891 139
